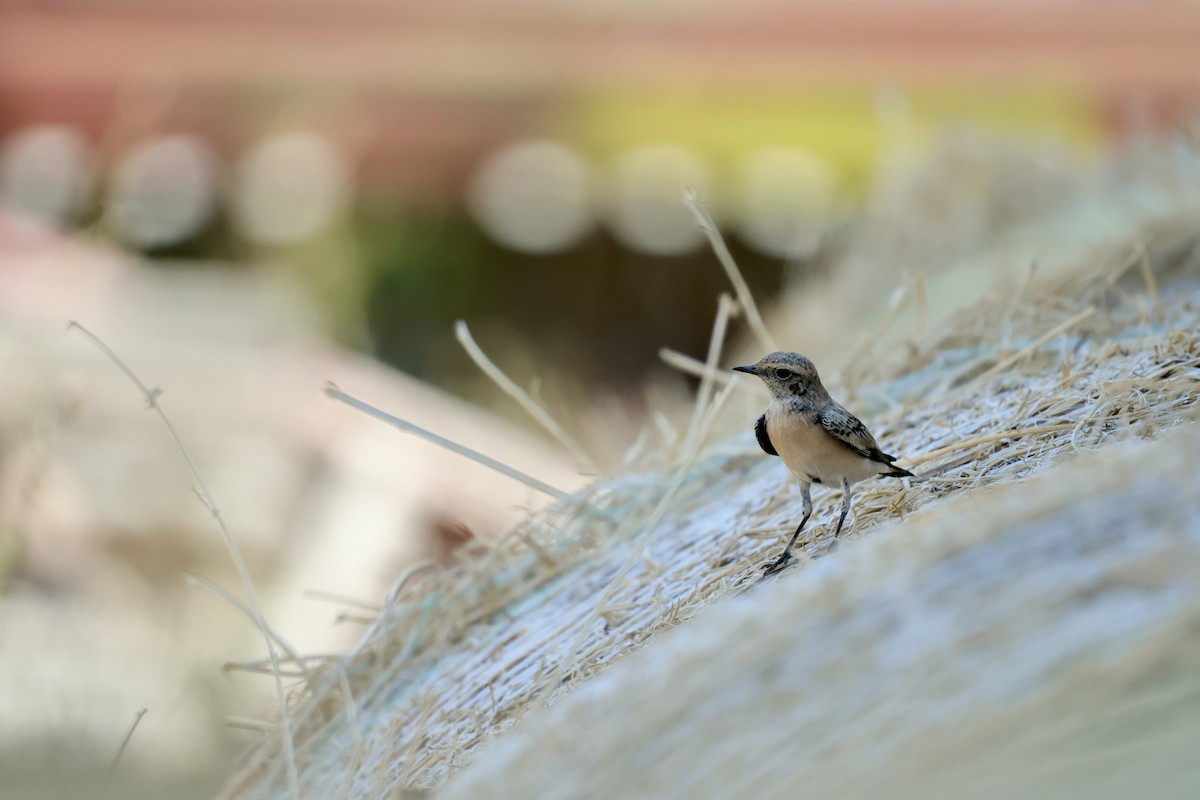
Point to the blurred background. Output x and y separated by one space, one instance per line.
246 199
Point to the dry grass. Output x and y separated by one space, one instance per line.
252 609
1038 639
1006 389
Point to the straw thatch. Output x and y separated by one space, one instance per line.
1008 643
1011 387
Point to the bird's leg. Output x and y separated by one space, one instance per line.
845 510
781 562
845 505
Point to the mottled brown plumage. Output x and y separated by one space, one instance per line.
817 438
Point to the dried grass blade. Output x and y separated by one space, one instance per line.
151 396
463 334
224 594
692 366
1057 330
112 768
443 442
745 299
726 308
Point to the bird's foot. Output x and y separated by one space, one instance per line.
778 564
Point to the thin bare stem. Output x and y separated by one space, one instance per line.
726 309
922 308
692 366
745 299
351 708
112 768
991 437
1148 277
248 724
535 410
1058 329
151 396
220 591
407 575
264 663
331 597
441 441
260 668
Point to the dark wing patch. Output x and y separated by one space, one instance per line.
760 433
847 429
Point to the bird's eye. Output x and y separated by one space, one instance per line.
783 374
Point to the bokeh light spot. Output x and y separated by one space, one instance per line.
291 188
645 198
786 201
163 191
46 170
534 196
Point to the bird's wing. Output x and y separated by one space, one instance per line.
760 433
847 429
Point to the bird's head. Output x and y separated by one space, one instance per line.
786 375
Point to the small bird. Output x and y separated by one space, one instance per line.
819 440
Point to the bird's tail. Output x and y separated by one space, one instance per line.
899 472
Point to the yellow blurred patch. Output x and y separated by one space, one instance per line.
850 128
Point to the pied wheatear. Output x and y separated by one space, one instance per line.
818 440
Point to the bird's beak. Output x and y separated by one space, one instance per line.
750 370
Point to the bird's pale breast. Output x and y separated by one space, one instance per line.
810 451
